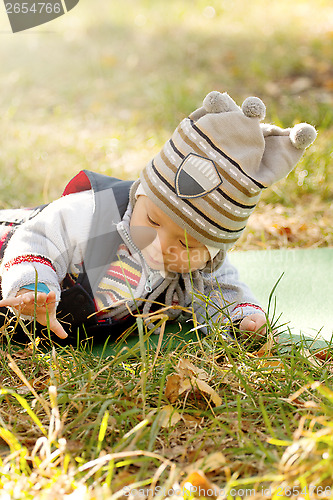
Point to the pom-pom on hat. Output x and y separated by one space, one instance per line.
208 177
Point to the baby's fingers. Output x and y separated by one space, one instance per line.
27 300
56 328
41 299
51 300
253 325
9 302
18 301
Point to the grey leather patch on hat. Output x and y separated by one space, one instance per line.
196 176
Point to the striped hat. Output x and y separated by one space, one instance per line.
208 177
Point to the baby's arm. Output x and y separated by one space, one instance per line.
47 245
232 300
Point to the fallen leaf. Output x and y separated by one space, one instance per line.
169 416
323 355
172 388
175 386
328 84
204 387
21 354
188 378
186 369
273 364
190 420
209 463
300 403
266 349
311 404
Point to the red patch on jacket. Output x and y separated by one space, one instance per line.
79 183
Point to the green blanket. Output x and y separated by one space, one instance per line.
302 300
304 294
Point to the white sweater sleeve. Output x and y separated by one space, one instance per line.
228 299
49 244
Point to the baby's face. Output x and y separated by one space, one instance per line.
164 244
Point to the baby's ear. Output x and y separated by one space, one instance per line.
283 149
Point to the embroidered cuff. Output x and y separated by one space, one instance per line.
245 309
29 258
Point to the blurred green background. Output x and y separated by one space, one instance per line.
104 86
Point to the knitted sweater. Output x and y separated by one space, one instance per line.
54 244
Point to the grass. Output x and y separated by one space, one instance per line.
78 424
102 88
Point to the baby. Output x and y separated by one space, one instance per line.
108 248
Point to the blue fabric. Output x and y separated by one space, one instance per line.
41 287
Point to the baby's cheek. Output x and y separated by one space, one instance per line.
177 263
198 259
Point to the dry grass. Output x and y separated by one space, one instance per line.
276 226
210 415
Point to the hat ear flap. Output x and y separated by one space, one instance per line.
283 149
197 114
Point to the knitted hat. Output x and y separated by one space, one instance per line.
208 177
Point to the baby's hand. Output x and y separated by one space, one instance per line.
253 324
24 303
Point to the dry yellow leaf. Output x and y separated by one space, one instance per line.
169 416
175 386
189 378
172 387
204 387
190 420
186 369
273 364
209 463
